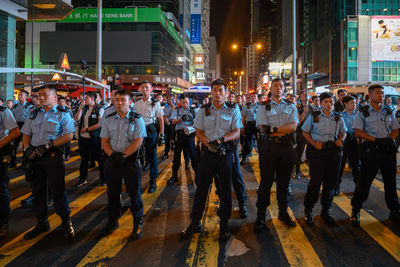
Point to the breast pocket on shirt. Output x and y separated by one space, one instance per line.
52 127
371 122
113 130
272 116
226 122
209 122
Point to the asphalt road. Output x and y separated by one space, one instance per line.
376 243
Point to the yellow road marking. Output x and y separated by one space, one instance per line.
297 248
22 177
109 246
16 203
204 247
19 245
386 238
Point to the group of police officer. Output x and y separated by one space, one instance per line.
124 129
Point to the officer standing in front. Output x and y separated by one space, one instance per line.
8 132
183 118
20 112
168 126
378 128
277 121
150 109
217 125
45 133
121 137
250 130
325 132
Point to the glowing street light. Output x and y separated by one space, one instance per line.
235 46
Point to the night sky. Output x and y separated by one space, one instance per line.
230 22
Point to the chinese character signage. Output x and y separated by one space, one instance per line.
195 22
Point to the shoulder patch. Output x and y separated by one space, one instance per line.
230 104
61 109
206 105
266 104
388 110
34 113
365 110
315 115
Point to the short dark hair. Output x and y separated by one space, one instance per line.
348 98
314 97
25 92
341 91
159 94
91 94
232 92
218 81
1 99
60 97
325 95
260 95
124 92
302 92
277 80
143 82
51 87
373 87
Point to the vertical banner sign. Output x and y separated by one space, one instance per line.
385 38
195 21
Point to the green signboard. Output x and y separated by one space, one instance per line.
87 15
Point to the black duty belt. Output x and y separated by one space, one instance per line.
251 123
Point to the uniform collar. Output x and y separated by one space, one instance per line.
223 106
273 101
52 109
372 109
126 116
330 115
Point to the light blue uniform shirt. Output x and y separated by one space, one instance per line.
326 129
7 123
107 111
183 124
48 126
250 111
121 131
219 122
280 114
168 110
378 124
21 111
349 121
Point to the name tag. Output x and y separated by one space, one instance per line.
94 116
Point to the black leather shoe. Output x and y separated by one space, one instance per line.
41 227
146 167
68 229
81 183
109 228
259 224
326 215
3 230
243 210
92 165
224 234
194 227
394 216
286 218
308 217
137 230
173 180
27 202
355 218
152 187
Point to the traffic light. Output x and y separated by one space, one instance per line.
252 91
302 44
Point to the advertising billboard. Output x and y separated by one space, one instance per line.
195 22
385 38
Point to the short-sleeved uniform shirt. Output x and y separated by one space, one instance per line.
21 111
179 112
149 111
7 123
349 121
219 122
250 111
122 131
50 125
280 114
326 129
378 124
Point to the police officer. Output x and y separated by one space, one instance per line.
8 132
122 136
249 121
150 109
350 146
324 131
47 130
88 116
377 126
20 112
217 124
168 126
277 120
185 134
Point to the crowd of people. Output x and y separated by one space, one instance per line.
216 138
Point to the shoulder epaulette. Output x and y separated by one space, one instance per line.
153 101
230 104
207 109
61 109
137 115
364 110
111 114
338 115
266 104
315 115
287 101
206 105
388 110
2 108
34 113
